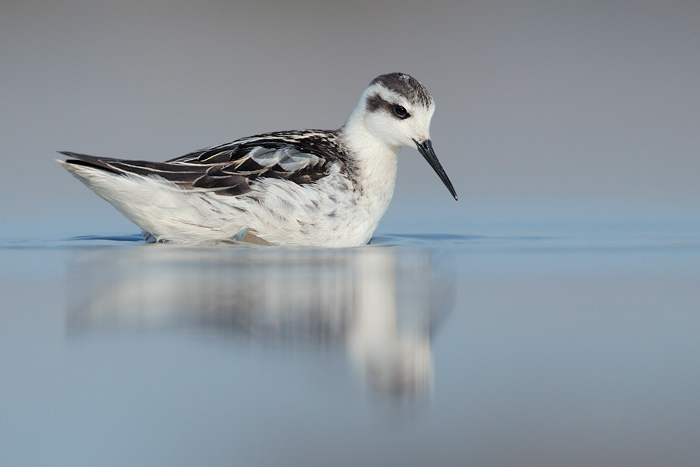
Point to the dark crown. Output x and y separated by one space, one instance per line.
405 85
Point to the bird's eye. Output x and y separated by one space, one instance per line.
400 111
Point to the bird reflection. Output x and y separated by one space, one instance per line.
378 303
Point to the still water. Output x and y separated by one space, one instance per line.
505 349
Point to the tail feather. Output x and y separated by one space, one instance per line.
202 177
87 161
182 174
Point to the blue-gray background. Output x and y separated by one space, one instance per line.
556 325
572 111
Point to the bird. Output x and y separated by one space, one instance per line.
313 188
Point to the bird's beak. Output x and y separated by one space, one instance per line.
426 150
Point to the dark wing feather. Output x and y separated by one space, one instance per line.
230 169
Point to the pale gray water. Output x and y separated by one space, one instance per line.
521 348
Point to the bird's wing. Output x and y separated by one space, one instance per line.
229 169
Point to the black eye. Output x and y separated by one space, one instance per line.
400 111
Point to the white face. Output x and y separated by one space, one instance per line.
395 120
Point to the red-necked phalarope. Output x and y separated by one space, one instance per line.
326 188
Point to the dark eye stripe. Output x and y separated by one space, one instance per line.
375 103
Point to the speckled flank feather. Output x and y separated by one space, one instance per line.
309 187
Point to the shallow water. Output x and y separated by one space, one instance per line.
508 348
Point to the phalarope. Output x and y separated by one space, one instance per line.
326 188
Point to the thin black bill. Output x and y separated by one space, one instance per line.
426 150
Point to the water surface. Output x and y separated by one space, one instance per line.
526 347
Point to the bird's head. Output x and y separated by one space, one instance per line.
396 110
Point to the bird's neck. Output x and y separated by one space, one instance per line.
374 163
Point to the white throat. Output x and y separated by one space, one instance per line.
373 160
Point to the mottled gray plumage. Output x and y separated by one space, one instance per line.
231 168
